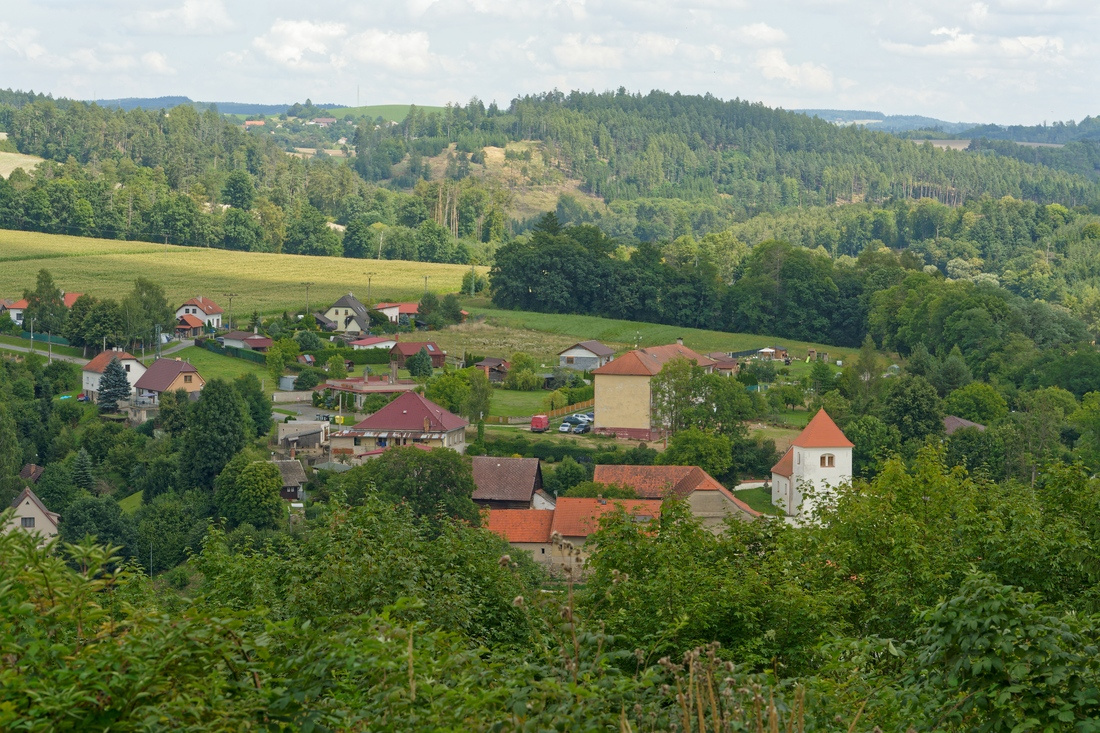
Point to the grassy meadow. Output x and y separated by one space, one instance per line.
269 283
10 161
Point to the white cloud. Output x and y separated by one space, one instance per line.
760 34
302 44
587 52
774 66
1043 48
157 63
399 52
957 44
194 17
656 44
23 42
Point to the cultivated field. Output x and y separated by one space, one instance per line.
269 283
10 161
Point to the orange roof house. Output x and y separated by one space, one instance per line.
709 500
623 400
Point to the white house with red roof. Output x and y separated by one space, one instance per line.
15 309
202 309
819 458
92 372
411 419
374 342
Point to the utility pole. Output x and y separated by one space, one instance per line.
381 238
425 285
369 301
49 342
307 297
231 296
32 335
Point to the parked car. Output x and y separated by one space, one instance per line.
582 428
583 418
565 427
572 420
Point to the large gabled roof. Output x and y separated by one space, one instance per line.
577 517
204 304
521 525
657 482
408 348
822 432
292 472
412 412
649 361
162 372
785 466
505 479
28 494
594 346
99 363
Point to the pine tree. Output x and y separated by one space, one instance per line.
114 386
420 364
82 471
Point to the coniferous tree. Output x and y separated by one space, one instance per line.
82 471
419 364
114 386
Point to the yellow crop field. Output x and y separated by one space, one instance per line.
10 161
269 283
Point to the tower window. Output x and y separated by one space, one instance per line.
828 460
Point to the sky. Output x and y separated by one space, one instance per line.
1004 61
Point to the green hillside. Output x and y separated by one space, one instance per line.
391 112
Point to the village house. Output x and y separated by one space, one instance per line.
15 309
623 400
303 435
362 387
400 313
709 501
820 458
246 340
92 372
402 350
494 369
586 356
509 483
374 342
202 309
294 478
346 315
411 419
557 542
167 375
31 472
32 516
951 423
189 327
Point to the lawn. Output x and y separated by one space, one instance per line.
41 347
219 366
268 283
511 403
759 499
131 503
623 335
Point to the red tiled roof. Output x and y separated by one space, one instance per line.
189 321
31 472
20 304
102 359
256 341
822 432
505 479
204 304
408 348
69 298
577 517
413 413
649 361
410 309
521 525
162 372
785 467
657 482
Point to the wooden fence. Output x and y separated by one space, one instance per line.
560 412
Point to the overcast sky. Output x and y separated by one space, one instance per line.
1007 61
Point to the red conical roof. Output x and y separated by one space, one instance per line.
822 432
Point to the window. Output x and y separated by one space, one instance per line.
828 460
127 367
26 522
570 359
187 379
359 441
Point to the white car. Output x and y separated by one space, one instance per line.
564 427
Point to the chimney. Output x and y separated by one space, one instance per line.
680 341
292 451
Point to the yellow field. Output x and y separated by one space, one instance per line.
10 161
269 283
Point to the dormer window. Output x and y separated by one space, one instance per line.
828 460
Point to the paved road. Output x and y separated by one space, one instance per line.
44 350
177 347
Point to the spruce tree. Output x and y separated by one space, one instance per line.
82 471
114 386
420 363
